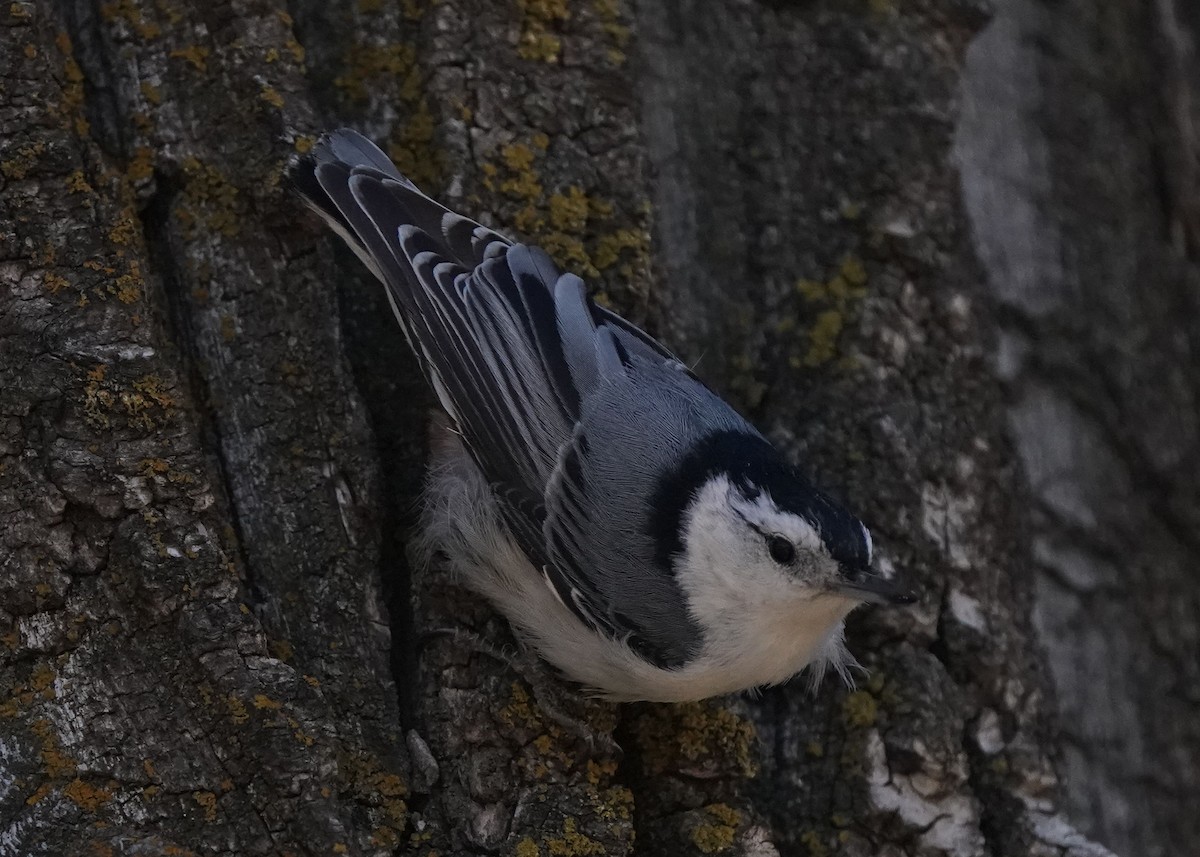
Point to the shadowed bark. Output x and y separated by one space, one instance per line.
212 636
1082 187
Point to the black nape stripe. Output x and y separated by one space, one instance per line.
752 464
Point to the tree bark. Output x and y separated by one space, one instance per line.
212 437
1080 161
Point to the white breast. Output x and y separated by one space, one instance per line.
756 640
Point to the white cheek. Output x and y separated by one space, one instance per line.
714 550
761 623
723 564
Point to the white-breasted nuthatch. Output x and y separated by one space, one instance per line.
646 539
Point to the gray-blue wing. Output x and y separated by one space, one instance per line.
602 504
513 348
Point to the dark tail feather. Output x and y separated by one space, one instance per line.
464 240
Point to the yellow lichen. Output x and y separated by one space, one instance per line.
41 791
694 733
823 336
566 223
538 18
610 247
366 778
210 195
42 679
517 157
55 763
141 167
520 711
23 161
837 298
125 230
713 838
271 95
98 398
611 22
599 771
195 55
87 797
569 211
128 11
366 64
717 834
53 283
411 147
572 843
237 709
208 802
860 709
151 391
724 813
526 848
568 250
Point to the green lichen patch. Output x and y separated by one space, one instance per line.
196 56
571 842
614 25
69 110
390 71
22 162
540 22
831 304
579 230
128 12
210 201
860 710
366 65
363 777
412 148
696 736
715 829
146 403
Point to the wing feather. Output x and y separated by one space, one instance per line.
514 349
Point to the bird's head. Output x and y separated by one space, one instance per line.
750 521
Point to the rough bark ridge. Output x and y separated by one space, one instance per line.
188 477
203 518
1083 189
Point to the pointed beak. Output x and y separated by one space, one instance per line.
874 589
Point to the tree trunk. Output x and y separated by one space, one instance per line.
212 437
1081 163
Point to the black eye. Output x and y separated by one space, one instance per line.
782 551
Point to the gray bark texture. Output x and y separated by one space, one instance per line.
947 256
